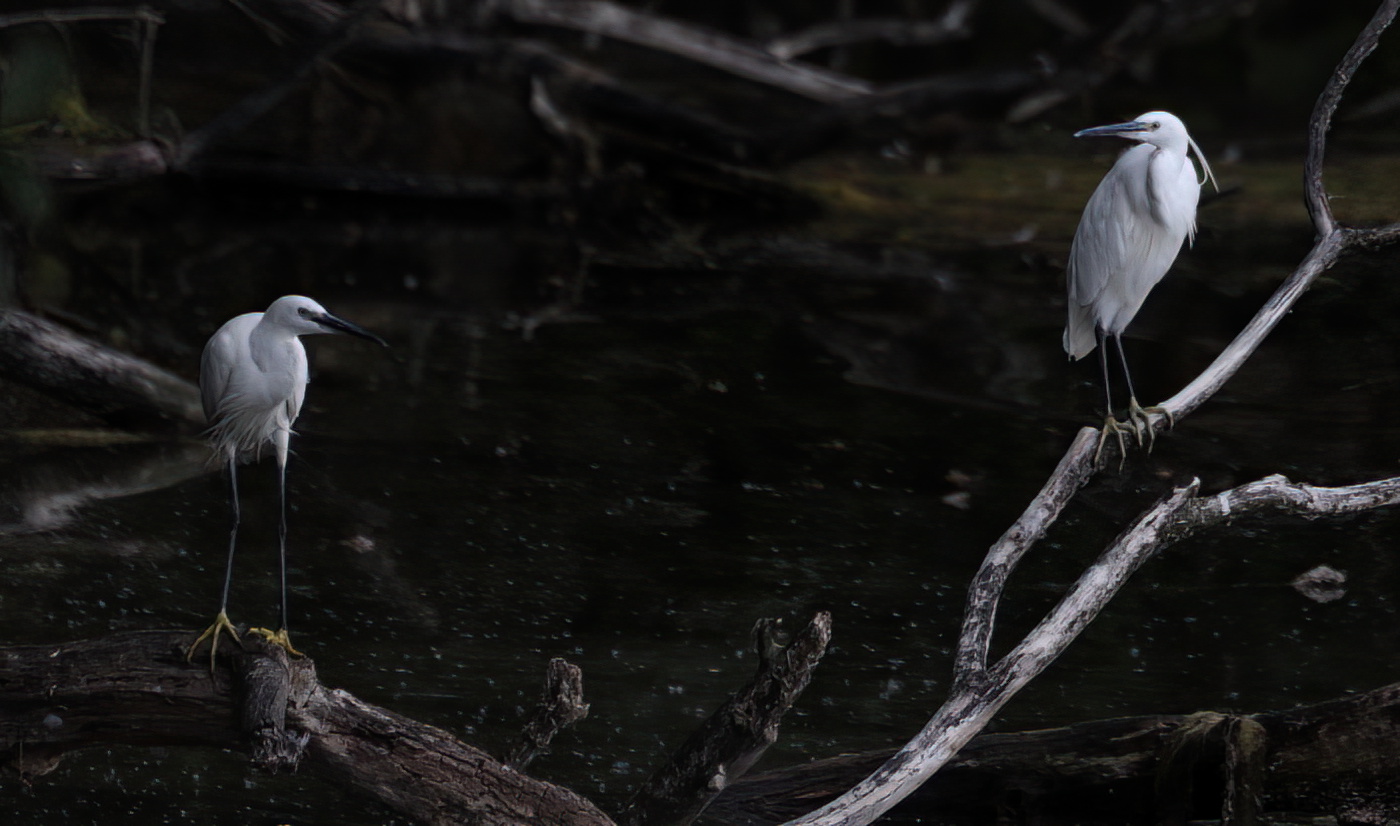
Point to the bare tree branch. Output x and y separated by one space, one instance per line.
1315 195
1319 259
984 594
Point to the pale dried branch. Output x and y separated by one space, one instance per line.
977 697
1277 493
984 594
969 709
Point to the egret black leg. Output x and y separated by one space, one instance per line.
236 512
221 622
280 636
1103 365
1110 424
1140 416
282 536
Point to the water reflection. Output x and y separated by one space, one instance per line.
49 491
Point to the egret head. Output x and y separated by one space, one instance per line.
302 316
1160 129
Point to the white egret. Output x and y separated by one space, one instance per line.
1131 231
253 379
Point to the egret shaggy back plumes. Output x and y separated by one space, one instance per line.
253 378
1132 229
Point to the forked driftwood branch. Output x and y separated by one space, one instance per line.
980 689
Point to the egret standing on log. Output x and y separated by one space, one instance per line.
253 378
1132 229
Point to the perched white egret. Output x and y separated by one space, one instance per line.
253 379
1130 233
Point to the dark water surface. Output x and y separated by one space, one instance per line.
673 453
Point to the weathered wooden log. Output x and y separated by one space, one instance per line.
1334 758
114 386
138 689
733 738
561 706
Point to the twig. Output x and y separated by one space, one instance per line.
1332 240
145 30
1319 259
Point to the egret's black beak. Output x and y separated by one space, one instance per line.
340 325
1112 129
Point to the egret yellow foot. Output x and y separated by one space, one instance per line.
1116 429
221 624
278 637
1141 418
